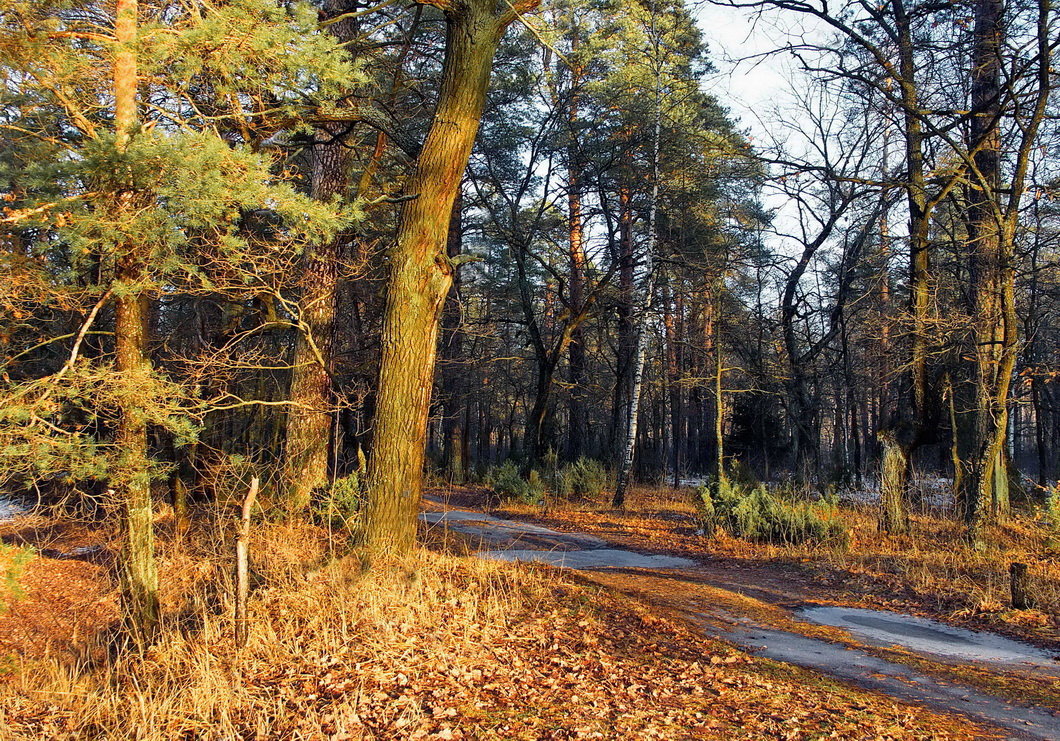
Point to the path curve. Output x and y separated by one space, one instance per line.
653 574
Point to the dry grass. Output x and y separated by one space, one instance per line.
436 646
935 567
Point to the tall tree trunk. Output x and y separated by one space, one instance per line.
625 300
546 360
454 429
719 396
579 418
309 421
537 428
421 274
1042 453
991 276
898 429
642 306
893 472
139 573
803 410
310 418
672 321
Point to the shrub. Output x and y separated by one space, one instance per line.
585 478
1052 515
742 474
755 514
342 504
508 484
13 562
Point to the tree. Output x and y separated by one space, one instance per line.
143 196
309 419
993 216
912 59
421 272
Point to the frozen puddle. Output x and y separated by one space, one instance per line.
522 541
509 532
597 558
896 680
9 510
929 637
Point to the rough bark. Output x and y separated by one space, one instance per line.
421 274
991 281
905 428
139 573
310 417
893 470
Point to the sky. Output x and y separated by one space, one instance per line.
752 83
748 86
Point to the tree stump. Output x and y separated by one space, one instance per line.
1020 586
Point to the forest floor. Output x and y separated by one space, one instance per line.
442 646
755 595
437 646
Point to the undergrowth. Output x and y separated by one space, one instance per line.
431 646
758 515
508 483
342 504
584 478
13 560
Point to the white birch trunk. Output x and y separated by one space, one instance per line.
642 299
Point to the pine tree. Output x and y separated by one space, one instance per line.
134 169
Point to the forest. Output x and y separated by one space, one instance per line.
305 304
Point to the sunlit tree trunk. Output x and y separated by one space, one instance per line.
642 306
421 274
139 574
893 469
579 420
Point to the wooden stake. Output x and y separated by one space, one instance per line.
242 559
